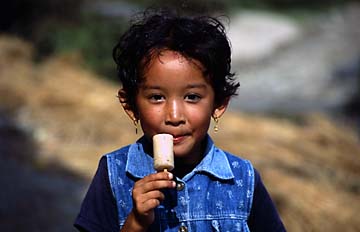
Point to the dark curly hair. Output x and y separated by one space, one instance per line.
201 38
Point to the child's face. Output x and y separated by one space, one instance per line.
176 98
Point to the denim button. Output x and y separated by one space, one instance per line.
180 186
183 229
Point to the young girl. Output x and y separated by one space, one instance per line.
175 74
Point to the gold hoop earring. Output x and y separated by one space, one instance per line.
136 124
216 126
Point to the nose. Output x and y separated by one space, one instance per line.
174 113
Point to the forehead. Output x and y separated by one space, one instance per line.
163 56
172 70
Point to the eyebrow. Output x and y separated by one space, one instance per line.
192 86
146 87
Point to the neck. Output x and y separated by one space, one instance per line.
182 168
185 165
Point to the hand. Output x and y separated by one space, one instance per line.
147 196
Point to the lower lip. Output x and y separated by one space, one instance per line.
178 140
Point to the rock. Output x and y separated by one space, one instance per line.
256 35
300 78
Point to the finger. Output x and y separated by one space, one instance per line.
146 187
154 177
149 205
159 176
148 201
159 184
140 199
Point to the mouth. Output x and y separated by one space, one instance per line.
179 139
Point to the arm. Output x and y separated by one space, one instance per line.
98 210
263 216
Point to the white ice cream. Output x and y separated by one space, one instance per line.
163 152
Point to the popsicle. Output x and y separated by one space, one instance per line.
163 152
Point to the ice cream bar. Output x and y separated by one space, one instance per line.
163 152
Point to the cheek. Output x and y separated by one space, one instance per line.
150 116
200 120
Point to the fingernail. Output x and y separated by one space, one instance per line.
170 175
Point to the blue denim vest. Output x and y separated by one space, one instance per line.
216 196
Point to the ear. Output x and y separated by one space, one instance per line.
220 109
126 106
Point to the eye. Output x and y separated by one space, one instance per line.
192 97
156 98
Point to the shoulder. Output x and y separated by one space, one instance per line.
241 168
118 152
117 156
236 161
233 157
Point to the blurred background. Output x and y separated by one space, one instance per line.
296 117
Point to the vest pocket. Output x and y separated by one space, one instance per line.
229 225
